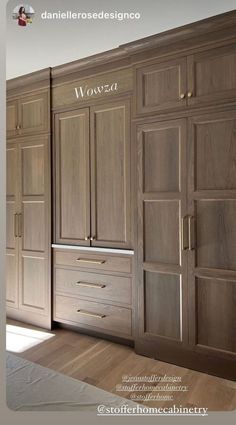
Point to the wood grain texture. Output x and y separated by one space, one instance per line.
33 113
211 75
104 363
216 314
94 261
12 205
162 305
113 319
12 118
93 285
160 86
72 171
111 175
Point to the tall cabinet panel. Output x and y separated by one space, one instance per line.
72 177
12 227
212 261
162 235
110 178
34 218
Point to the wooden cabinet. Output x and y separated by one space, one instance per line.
211 75
161 262
110 175
93 290
92 153
212 262
12 242
28 114
12 118
161 86
201 78
187 271
72 177
28 230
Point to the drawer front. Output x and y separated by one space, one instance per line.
106 287
104 317
96 261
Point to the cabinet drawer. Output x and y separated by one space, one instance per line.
96 261
105 318
99 286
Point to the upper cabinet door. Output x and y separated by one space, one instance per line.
161 86
212 76
111 175
12 118
72 177
34 113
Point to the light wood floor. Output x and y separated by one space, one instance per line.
103 363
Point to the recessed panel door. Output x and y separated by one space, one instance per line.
111 175
34 226
162 236
212 260
72 175
12 226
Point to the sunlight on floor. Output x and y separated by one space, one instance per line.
20 339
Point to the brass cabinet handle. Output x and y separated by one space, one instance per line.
182 96
87 238
191 232
87 313
91 285
93 238
16 225
18 127
86 260
20 225
190 94
184 233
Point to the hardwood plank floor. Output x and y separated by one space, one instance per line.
103 364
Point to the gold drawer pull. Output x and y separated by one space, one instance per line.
91 285
86 260
87 313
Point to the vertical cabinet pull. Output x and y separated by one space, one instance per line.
184 233
16 225
20 225
191 232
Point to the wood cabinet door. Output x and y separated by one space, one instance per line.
212 260
111 175
12 118
34 113
72 175
161 86
162 241
34 226
212 76
12 226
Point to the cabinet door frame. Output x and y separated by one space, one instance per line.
177 103
43 254
217 97
14 251
57 180
148 342
195 272
46 113
14 132
128 243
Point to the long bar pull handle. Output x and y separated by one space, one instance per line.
85 260
20 225
87 313
16 226
184 233
191 233
91 285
